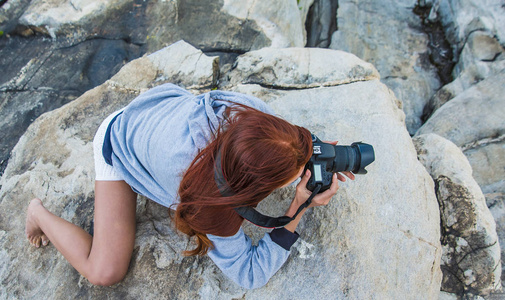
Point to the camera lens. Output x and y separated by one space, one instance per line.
353 158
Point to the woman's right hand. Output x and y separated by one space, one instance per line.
302 194
322 199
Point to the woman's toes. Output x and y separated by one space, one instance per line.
45 240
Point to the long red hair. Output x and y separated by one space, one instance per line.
259 153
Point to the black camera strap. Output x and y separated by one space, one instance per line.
249 213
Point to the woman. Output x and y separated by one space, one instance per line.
163 145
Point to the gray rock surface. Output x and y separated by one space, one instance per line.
389 35
476 30
462 17
482 56
370 242
226 24
298 68
471 260
38 76
10 11
474 121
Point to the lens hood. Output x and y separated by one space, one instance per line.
366 156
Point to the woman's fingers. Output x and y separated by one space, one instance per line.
334 184
340 177
350 175
305 178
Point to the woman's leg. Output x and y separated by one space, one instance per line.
103 258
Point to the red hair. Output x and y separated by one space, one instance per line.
259 153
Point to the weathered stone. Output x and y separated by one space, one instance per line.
471 251
180 63
487 159
10 11
53 160
280 21
496 204
388 34
298 68
474 121
37 77
481 57
439 50
304 7
222 25
447 296
462 17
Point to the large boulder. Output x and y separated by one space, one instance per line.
390 36
379 237
471 260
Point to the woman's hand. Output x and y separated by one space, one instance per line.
302 194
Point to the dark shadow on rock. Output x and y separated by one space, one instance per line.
37 77
321 23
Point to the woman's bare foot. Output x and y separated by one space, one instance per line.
32 230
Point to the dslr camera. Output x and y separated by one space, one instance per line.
328 159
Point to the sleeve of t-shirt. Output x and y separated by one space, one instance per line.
247 265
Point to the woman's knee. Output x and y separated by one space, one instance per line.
107 276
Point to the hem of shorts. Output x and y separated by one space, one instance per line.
109 179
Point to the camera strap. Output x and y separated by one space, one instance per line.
249 213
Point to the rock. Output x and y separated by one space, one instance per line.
482 56
280 21
389 35
180 63
447 296
476 31
297 68
496 204
471 251
353 248
37 77
474 121
10 11
304 7
461 18
229 25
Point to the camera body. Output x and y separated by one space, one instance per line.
328 159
